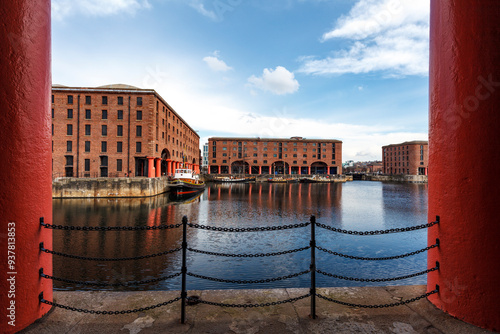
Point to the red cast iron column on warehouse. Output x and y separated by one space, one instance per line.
25 152
464 158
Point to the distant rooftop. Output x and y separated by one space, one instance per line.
414 142
119 86
274 139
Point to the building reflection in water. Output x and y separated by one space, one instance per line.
356 205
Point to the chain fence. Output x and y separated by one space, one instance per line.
185 300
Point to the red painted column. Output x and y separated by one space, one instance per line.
464 159
219 169
158 167
151 167
25 152
260 170
169 166
309 170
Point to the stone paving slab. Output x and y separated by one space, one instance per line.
417 317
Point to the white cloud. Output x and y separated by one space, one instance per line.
200 8
391 36
216 64
64 8
280 81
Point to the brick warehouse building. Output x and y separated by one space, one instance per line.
296 155
406 158
118 130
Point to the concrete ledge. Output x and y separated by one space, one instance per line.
68 187
417 317
397 178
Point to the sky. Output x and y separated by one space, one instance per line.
352 70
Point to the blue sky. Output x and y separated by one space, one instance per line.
353 70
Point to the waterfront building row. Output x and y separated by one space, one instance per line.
296 155
118 130
409 158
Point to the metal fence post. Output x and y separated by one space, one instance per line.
313 267
184 270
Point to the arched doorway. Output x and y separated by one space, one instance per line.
165 154
279 167
319 168
240 167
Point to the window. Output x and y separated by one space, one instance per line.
138 131
275 155
255 154
265 161
69 146
104 146
87 129
224 161
120 100
139 101
304 155
87 114
120 114
70 99
119 165
52 112
295 162
105 100
304 162
87 165
138 147
104 161
255 161
69 129
156 147
119 146
88 99
139 115
265 155
295 155
69 160
52 98
70 113
104 130
87 146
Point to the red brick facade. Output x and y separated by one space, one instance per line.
118 131
406 158
274 156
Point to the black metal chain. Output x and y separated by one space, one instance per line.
109 228
404 302
291 300
377 279
378 232
248 229
377 258
249 255
266 280
142 309
65 280
108 259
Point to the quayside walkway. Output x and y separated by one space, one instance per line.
416 317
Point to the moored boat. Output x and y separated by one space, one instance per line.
280 179
185 182
232 179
